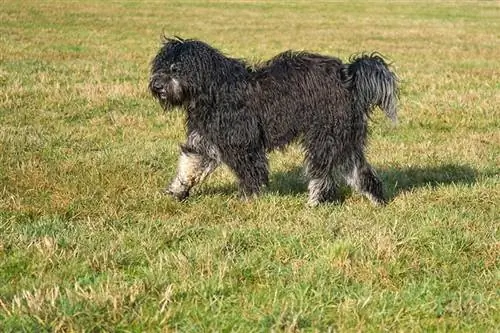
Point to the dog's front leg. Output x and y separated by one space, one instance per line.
192 169
198 159
251 168
364 179
321 190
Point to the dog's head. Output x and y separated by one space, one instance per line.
183 69
169 76
373 83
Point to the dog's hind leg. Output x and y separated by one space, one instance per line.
321 187
365 180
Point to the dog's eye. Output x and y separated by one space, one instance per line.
173 68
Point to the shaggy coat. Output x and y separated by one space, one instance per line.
236 114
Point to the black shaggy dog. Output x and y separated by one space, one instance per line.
235 114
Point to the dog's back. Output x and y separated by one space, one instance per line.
295 91
289 64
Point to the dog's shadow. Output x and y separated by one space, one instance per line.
396 180
290 182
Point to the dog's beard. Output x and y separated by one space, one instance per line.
169 91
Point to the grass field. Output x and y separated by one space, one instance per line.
88 242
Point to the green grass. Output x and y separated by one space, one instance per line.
88 242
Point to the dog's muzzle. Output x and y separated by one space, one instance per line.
167 89
157 86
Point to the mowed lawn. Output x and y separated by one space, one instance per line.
89 243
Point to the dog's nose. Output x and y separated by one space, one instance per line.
157 85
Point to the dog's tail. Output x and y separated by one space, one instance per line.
373 84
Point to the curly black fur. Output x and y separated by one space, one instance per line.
235 114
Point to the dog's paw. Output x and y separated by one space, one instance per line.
312 203
378 200
247 198
179 195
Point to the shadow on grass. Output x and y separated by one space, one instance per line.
290 182
226 189
396 180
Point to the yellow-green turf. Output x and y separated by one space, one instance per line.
88 242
